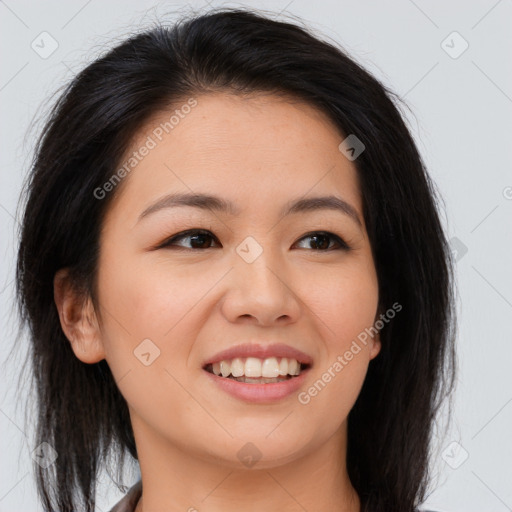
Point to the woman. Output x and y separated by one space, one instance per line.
232 267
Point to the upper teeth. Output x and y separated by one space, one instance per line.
254 367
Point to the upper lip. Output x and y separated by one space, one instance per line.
261 351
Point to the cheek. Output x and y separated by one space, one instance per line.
148 300
148 323
150 328
346 304
151 302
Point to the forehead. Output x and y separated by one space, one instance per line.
256 151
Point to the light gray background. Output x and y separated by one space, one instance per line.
462 123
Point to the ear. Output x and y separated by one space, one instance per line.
78 319
375 346
375 343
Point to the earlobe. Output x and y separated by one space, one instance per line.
77 319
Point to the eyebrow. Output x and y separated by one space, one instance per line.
210 202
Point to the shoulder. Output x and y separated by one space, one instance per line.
129 501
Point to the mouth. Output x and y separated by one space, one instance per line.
259 373
253 370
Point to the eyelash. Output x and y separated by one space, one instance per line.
191 232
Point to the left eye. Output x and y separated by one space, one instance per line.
199 239
321 241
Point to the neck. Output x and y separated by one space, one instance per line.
175 480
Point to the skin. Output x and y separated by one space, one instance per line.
260 152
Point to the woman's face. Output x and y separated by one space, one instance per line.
252 278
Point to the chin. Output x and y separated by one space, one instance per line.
258 451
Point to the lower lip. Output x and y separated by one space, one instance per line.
259 393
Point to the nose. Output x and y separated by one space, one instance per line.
261 293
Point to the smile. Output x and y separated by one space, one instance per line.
256 380
252 370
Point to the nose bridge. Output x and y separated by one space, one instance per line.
258 285
257 270
261 275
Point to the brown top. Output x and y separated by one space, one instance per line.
129 501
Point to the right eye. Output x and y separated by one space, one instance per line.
199 239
